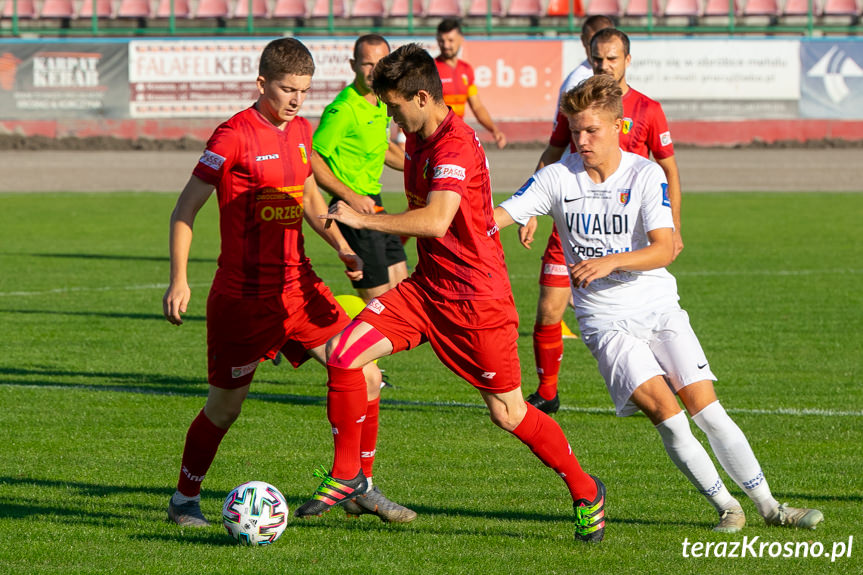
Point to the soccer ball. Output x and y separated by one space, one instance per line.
255 513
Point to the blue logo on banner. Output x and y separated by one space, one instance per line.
831 83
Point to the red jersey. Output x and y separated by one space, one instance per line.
457 84
467 263
645 129
259 172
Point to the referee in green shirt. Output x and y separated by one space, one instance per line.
350 148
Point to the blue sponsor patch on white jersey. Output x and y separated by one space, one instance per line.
665 201
524 188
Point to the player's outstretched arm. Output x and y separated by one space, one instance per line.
672 175
502 218
484 118
177 296
525 232
314 212
430 221
327 180
657 255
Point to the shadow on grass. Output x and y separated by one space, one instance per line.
117 257
110 315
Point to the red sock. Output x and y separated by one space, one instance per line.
548 352
369 437
202 443
546 439
346 409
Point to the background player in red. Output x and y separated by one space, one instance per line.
457 78
645 131
458 298
265 297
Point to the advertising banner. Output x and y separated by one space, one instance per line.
706 79
832 79
57 80
215 79
517 79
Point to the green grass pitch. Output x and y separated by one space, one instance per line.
97 391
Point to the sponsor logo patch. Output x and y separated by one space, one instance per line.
524 188
489 374
212 160
238 372
376 306
665 138
555 270
267 157
448 171
665 201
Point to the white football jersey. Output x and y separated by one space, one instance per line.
595 220
580 73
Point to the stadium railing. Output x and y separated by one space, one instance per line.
43 18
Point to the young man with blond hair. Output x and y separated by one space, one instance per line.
614 217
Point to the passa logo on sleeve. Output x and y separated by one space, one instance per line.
448 171
212 160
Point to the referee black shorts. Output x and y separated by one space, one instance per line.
378 250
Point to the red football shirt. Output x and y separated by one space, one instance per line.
457 84
645 129
259 172
467 263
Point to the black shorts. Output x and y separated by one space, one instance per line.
378 250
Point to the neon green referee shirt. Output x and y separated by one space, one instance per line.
352 138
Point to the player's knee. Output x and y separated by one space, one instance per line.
223 416
330 347
503 418
341 356
374 377
550 309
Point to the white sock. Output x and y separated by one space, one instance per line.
179 499
735 455
691 458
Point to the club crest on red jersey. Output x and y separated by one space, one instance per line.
302 148
627 125
623 196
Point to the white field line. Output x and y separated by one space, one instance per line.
85 289
780 411
679 273
610 410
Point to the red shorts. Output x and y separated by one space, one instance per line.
554 271
243 332
476 339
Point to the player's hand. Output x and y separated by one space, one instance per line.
354 265
526 232
176 301
342 212
586 271
677 241
500 140
363 204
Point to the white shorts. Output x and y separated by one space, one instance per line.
631 351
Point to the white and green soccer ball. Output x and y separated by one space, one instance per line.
255 513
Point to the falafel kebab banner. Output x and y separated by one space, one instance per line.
518 78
